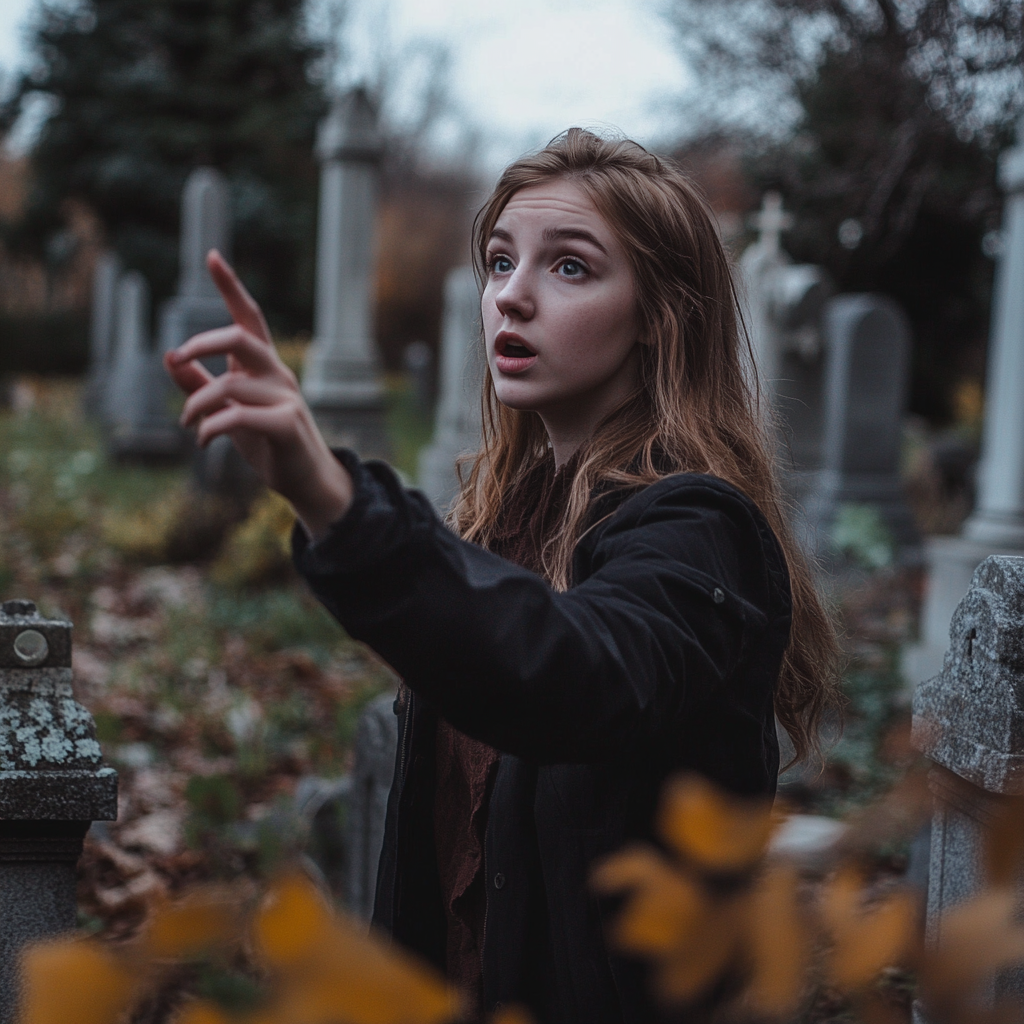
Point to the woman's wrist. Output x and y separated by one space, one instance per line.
326 504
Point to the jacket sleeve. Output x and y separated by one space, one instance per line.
678 582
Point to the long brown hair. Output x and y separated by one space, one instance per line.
696 407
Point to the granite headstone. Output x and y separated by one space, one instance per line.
53 784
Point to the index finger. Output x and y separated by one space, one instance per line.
244 309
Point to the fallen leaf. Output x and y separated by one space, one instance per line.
777 943
719 831
865 940
74 981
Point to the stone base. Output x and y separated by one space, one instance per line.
364 429
70 795
148 443
951 563
830 490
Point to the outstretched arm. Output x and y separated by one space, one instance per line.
258 404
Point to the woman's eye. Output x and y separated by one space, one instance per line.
500 264
571 268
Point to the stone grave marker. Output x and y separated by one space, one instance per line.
969 720
135 414
783 304
867 360
457 422
105 277
53 785
997 524
342 378
373 770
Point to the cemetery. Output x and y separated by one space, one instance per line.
190 744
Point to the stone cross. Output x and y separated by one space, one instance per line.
969 720
342 379
997 524
867 362
457 423
372 773
53 784
105 277
770 222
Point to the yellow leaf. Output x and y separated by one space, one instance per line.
204 919
511 1015
976 939
665 907
1004 843
865 941
73 981
701 960
330 970
201 1012
718 831
778 944
293 921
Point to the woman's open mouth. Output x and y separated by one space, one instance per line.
512 354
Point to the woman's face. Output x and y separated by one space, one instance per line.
558 307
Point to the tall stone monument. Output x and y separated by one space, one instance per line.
106 274
867 362
997 524
342 380
53 784
457 423
969 720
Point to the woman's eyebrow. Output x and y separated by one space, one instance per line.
577 234
501 234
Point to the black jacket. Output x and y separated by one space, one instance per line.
662 657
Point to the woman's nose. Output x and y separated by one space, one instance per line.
516 298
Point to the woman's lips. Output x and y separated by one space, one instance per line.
512 354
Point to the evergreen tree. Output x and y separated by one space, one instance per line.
881 123
145 90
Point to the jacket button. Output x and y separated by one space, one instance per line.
499 881
718 595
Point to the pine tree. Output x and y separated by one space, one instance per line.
143 91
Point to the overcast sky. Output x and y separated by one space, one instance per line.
521 72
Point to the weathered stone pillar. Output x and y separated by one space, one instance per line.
342 378
969 721
997 525
457 423
53 784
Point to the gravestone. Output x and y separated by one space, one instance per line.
205 225
969 720
53 784
373 770
783 304
418 362
105 277
198 307
135 415
457 422
342 378
997 524
867 361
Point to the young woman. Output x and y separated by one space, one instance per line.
615 599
